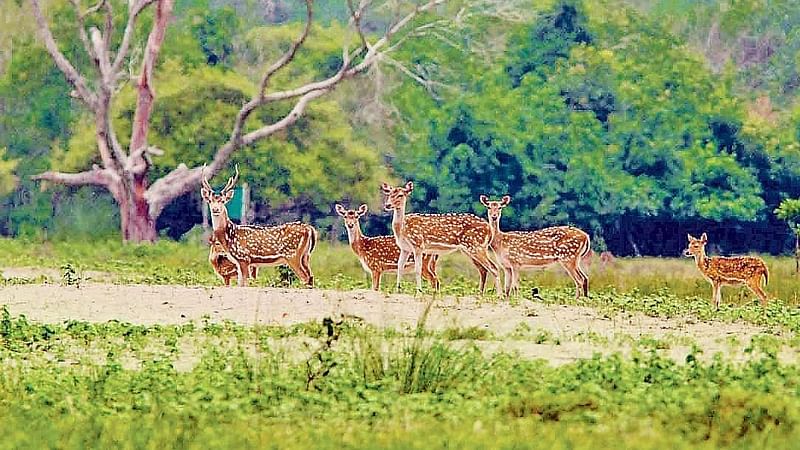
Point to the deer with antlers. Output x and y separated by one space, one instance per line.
518 250
253 245
437 234
728 271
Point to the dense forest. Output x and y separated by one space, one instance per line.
638 121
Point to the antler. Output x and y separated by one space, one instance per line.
231 181
205 181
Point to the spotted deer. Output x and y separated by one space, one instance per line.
437 234
253 245
518 250
728 271
223 266
379 254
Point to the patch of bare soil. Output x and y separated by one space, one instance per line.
572 332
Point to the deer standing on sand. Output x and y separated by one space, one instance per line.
437 234
379 254
728 271
252 245
223 266
518 250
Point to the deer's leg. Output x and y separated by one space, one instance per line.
298 269
482 257
418 268
254 272
755 286
516 271
243 269
506 280
573 272
584 277
401 264
717 294
227 281
376 280
483 274
428 273
305 262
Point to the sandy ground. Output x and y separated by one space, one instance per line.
570 325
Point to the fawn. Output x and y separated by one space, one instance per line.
728 271
379 254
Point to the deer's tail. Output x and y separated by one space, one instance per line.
766 275
312 237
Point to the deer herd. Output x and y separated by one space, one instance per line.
419 239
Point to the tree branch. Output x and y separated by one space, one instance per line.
135 8
146 92
284 60
73 77
182 179
96 176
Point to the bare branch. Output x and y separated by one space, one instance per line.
96 176
145 91
136 7
73 77
289 55
182 179
285 59
82 30
355 17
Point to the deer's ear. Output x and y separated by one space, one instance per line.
386 188
484 200
704 238
227 196
690 237
505 200
362 210
409 187
339 209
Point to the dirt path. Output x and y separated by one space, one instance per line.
580 331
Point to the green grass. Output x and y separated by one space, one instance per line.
116 385
335 266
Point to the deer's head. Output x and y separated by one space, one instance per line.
216 202
697 246
396 196
495 207
351 216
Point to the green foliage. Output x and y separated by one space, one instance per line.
81 385
214 29
789 211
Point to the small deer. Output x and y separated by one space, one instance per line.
518 250
253 245
728 271
379 254
437 234
223 266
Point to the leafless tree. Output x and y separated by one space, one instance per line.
124 171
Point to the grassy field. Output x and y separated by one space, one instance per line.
79 385
347 384
335 266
